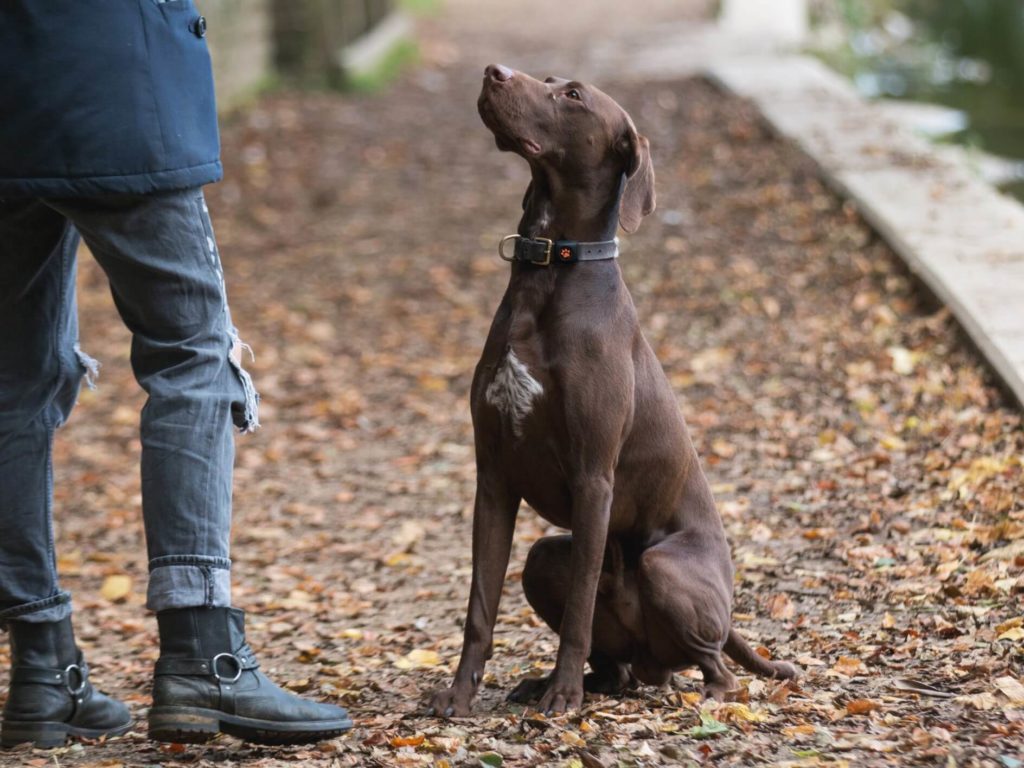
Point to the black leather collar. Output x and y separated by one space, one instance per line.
542 252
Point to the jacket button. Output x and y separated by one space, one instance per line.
199 27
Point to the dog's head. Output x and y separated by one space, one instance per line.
574 132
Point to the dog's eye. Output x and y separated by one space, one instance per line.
572 93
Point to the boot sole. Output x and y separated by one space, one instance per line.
195 725
45 735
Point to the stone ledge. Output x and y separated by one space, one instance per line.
962 237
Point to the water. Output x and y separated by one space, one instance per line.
964 54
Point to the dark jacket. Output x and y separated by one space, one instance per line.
100 96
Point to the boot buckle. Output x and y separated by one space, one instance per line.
216 673
83 679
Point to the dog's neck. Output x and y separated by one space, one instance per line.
586 211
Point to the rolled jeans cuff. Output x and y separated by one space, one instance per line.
189 582
55 608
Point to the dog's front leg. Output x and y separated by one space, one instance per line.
494 521
591 508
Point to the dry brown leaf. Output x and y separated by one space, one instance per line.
848 666
116 587
980 701
735 711
572 739
979 582
1009 552
407 741
862 706
799 731
1011 688
903 360
723 448
408 535
1014 623
419 658
804 660
780 607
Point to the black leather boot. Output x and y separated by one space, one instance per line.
207 682
51 697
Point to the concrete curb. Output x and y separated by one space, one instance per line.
366 54
962 237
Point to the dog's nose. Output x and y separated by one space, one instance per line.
498 72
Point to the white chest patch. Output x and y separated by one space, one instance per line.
513 391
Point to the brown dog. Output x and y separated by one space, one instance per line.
573 413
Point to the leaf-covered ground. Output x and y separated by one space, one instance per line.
868 472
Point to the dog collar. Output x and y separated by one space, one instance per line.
542 251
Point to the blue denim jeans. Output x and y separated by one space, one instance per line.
159 254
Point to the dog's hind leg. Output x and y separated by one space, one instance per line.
686 603
546 584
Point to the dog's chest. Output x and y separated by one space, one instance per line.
513 391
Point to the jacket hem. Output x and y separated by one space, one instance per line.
135 184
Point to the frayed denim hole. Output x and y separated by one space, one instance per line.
90 365
249 418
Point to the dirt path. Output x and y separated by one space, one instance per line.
868 473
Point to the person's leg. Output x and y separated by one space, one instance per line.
50 696
159 255
161 258
39 376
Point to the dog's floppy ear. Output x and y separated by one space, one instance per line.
638 197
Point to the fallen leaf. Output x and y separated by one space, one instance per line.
799 731
903 360
409 533
1009 552
407 741
572 739
116 588
848 666
979 701
862 706
805 660
708 727
780 607
1013 623
734 711
1011 688
419 658
723 448
300 685
979 582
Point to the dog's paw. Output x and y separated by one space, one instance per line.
449 702
611 682
561 697
783 670
529 689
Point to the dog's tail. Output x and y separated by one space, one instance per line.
741 652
